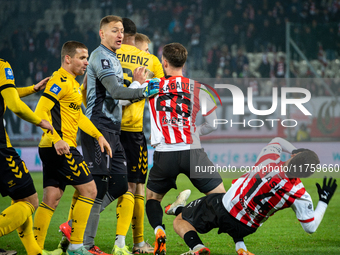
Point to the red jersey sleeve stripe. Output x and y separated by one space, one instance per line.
306 221
208 113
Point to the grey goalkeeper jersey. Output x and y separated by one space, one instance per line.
103 108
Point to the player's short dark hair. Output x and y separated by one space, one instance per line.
302 164
142 38
108 19
176 54
70 47
129 26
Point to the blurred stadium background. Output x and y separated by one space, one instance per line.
250 43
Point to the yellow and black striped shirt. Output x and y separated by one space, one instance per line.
10 97
61 105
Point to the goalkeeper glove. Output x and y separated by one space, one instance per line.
327 190
152 88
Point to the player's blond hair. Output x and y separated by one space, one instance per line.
140 38
108 19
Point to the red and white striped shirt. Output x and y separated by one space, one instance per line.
173 113
259 194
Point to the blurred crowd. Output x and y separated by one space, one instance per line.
217 34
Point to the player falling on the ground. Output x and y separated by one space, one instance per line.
272 185
16 180
62 162
177 138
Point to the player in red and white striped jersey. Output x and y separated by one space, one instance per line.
176 137
272 185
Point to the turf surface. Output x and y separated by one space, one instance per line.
281 234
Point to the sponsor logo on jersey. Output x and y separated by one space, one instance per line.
74 106
9 74
105 63
55 89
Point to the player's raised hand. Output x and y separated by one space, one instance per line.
41 84
152 88
62 147
104 145
140 74
46 125
327 190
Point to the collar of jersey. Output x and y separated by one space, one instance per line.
65 73
110 51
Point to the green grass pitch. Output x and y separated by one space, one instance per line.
281 234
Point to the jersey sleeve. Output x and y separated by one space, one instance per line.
157 67
54 90
303 208
14 103
272 151
102 66
44 106
26 91
6 76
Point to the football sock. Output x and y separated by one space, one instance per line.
73 247
92 224
120 241
240 245
42 219
80 215
74 200
192 239
138 220
124 213
14 216
154 212
162 227
27 237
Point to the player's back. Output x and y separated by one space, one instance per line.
266 189
131 58
173 113
6 80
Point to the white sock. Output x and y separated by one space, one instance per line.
141 244
120 241
159 227
198 247
73 246
240 245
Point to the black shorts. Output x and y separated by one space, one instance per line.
208 212
15 180
136 150
168 165
63 170
99 162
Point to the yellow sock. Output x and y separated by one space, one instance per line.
80 215
74 200
27 238
14 216
124 212
138 220
42 219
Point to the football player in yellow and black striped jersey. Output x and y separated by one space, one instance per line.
15 180
62 163
131 204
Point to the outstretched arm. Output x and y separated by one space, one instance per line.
286 146
303 207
